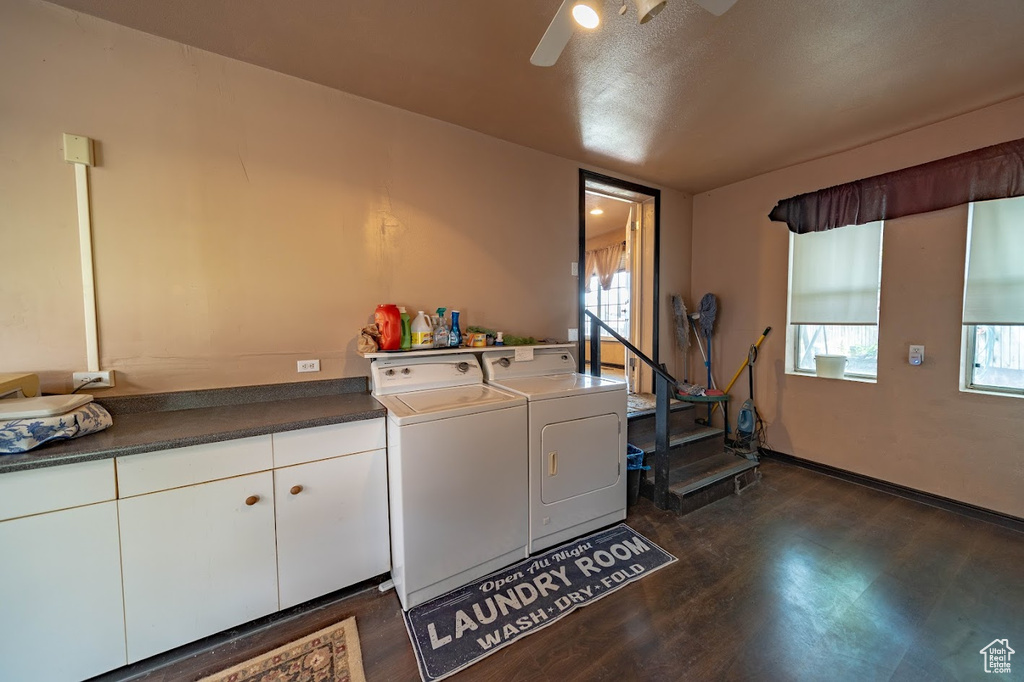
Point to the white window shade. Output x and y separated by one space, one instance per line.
994 288
834 275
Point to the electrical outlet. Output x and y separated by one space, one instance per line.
574 334
575 269
309 365
93 379
916 355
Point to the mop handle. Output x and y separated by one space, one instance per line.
743 366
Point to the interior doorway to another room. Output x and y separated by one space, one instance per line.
618 283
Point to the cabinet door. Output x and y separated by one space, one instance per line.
197 560
332 524
61 615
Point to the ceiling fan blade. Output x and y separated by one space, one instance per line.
716 7
555 38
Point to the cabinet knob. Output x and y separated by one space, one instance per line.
252 499
296 489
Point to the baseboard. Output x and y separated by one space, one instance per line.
962 508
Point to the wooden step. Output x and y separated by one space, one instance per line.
697 484
673 406
689 478
640 425
692 445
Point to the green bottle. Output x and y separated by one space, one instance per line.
406 343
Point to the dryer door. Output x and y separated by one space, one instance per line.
578 457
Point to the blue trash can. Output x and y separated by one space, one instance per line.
634 471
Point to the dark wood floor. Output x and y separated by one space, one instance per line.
802 577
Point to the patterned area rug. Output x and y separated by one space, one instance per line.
640 402
330 655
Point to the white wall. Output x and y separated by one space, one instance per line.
244 219
914 427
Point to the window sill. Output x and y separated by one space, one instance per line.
849 377
986 391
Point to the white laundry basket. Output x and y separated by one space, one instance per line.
830 366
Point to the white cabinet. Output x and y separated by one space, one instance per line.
99 569
197 560
61 615
332 524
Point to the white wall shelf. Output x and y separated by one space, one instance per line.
446 351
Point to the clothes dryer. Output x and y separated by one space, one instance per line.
577 442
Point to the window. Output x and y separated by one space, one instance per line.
997 357
834 280
993 353
859 343
611 306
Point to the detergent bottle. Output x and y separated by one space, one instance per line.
406 342
422 334
455 335
389 324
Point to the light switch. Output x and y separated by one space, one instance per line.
574 269
916 355
77 149
574 334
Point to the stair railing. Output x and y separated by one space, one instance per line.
663 385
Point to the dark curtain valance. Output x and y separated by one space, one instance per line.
995 172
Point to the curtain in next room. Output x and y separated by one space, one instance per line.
607 262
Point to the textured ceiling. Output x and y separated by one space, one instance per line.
687 100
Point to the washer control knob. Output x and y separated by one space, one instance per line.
390 373
504 362
462 367
406 370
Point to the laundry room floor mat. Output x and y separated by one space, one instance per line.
455 630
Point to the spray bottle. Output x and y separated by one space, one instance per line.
441 330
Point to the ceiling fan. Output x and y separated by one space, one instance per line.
586 13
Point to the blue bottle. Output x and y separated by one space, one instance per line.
455 335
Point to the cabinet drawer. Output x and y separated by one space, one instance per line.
323 442
166 469
60 487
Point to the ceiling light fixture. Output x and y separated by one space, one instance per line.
586 14
648 9
596 211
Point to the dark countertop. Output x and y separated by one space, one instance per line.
177 425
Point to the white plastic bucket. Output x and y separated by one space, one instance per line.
830 366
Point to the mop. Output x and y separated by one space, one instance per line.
682 332
682 320
706 319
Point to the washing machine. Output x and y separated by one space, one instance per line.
457 473
577 441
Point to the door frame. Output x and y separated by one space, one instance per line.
581 259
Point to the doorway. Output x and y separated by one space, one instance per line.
618 256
